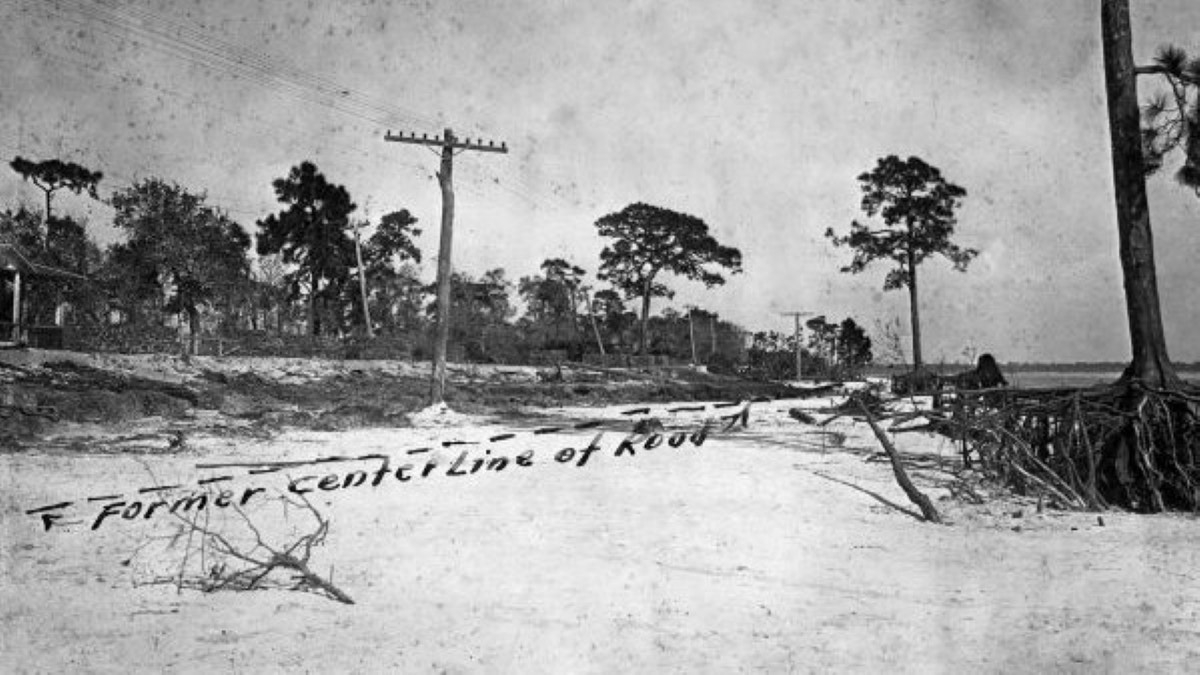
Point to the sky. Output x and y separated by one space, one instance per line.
755 116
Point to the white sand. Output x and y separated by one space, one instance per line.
754 552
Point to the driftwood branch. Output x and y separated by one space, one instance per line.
226 565
914 495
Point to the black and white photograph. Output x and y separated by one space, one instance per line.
637 336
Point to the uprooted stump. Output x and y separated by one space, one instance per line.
1125 445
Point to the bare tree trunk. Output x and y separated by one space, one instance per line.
1150 361
314 326
595 328
362 283
915 313
46 224
575 327
712 331
194 326
645 314
692 333
928 510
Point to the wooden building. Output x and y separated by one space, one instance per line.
19 276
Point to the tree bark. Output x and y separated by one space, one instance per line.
712 331
928 510
575 327
1150 361
595 328
46 240
194 326
437 386
362 284
314 326
645 313
915 313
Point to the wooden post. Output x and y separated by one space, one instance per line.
799 364
448 143
445 176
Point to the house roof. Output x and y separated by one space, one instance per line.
13 258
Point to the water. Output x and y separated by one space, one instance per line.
1052 378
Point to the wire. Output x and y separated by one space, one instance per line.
196 47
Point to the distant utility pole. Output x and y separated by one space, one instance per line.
796 316
448 143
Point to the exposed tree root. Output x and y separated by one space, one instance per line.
1125 445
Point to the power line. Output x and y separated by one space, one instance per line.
196 46
289 75
193 45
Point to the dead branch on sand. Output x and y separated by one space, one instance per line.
914 495
226 566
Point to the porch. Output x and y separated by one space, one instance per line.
19 278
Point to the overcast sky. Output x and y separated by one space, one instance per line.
754 116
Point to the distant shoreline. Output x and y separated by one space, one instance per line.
1079 367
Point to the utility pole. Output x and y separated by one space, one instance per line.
799 363
448 143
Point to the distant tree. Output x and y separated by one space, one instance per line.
651 240
1172 118
478 306
271 290
853 346
552 297
772 356
133 286
189 249
398 298
68 246
822 340
917 207
312 234
609 308
568 278
23 228
391 278
392 244
52 175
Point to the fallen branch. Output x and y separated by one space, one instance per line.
914 495
225 565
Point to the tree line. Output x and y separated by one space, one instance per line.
308 269
314 274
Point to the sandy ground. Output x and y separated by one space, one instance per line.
768 549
